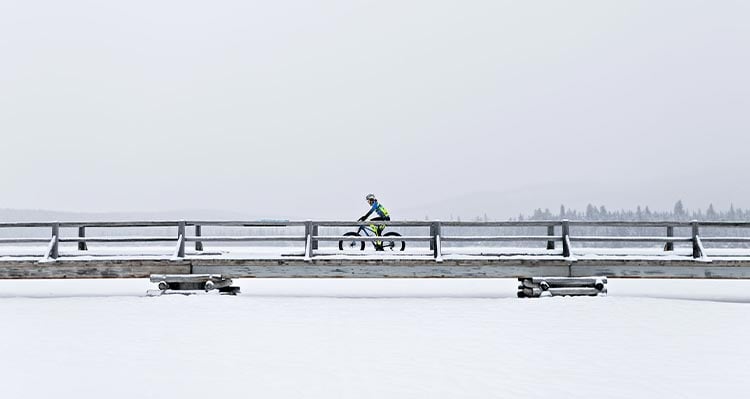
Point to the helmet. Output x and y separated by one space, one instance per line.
370 197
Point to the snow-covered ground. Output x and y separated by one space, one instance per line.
377 338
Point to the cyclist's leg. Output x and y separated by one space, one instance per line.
379 228
378 232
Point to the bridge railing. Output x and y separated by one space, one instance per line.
188 231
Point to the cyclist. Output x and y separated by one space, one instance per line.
382 215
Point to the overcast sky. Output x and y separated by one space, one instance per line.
300 108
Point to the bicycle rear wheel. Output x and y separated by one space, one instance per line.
393 245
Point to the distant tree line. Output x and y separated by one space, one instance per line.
679 213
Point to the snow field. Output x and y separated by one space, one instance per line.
373 338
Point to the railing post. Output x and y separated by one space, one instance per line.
432 234
55 252
314 233
198 244
435 231
551 232
696 246
181 238
566 238
309 228
82 234
670 244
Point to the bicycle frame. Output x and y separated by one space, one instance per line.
367 229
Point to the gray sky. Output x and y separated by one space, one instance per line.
300 108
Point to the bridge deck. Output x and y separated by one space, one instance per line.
455 263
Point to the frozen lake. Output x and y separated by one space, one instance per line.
373 338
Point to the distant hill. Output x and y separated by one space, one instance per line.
32 215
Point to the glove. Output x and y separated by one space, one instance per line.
362 219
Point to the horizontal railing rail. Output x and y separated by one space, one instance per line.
372 238
244 238
25 240
558 231
501 238
286 223
117 239
625 223
629 239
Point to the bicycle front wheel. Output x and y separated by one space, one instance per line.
351 244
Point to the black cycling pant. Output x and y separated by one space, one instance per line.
380 227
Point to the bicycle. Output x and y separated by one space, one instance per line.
368 231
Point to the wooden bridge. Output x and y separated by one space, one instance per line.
668 249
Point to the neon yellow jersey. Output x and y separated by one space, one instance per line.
380 210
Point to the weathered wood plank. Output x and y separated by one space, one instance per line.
90 269
717 269
379 268
435 270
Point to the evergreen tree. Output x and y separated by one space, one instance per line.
679 209
710 212
590 212
679 212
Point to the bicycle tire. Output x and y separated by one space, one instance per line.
395 246
351 244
